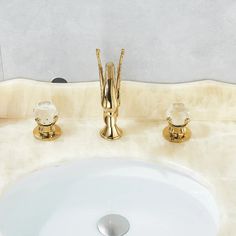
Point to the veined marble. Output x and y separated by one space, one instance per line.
207 100
210 152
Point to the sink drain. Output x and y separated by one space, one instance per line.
113 225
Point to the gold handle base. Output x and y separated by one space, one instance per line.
47 133
177 134
111 133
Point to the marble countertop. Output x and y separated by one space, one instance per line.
210 152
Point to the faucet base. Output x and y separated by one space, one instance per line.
177 134
47 133
111 133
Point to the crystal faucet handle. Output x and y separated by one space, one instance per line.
178 118
178 114
45 113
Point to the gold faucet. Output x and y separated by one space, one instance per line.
110 96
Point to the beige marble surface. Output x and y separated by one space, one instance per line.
207 100
210 152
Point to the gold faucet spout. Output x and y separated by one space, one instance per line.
110 96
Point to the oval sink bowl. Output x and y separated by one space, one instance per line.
69 200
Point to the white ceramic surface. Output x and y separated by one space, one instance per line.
70 199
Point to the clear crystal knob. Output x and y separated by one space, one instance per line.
45 113
178 114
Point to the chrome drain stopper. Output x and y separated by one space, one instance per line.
113 225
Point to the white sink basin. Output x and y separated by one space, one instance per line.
70 199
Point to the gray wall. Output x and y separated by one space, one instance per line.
165 40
